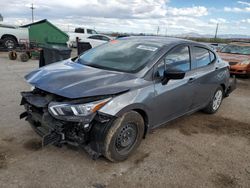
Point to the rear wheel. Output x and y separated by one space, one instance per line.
215 103
124 136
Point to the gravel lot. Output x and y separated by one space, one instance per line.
194 151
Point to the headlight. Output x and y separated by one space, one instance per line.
75 111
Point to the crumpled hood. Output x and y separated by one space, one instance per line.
74 80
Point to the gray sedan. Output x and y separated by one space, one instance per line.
107 99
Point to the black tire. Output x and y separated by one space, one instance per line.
24 57
29 54
9 43
211 109
124 136
12 55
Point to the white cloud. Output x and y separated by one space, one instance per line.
246 8
189 11
236 9
218 20
244 3
138 16
245 21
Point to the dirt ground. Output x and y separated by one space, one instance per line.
193 151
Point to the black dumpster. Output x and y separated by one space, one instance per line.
82 47
53 53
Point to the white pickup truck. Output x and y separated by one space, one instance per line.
81 34
11 36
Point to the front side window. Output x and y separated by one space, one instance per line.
178 58
91 31
121 55
202 56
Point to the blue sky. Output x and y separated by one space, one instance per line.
138 16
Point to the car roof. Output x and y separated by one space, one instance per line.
159 39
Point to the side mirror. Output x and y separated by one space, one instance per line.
172 75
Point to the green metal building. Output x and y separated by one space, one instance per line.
43 32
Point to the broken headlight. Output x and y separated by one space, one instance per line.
75 112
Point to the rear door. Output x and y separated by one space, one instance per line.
204 80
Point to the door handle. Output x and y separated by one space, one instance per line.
190 80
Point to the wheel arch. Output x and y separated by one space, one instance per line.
9 35
223 87
140 109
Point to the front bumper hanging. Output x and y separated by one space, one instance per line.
58 132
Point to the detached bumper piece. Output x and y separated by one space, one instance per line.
232 86
59 132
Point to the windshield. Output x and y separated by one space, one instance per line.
235 49
120 55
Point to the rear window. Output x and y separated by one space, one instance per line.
236 49
121 55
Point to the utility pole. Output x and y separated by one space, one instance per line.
158 30
32 12
216 31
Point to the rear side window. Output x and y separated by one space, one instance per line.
202 56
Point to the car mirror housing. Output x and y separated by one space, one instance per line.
172 75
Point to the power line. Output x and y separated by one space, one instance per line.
158 30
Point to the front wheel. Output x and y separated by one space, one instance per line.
215 102
124 136
9 43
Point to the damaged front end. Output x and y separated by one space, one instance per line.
59 120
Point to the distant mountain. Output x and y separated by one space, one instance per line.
196 35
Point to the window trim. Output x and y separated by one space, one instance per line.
163 56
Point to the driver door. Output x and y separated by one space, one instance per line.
174 98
